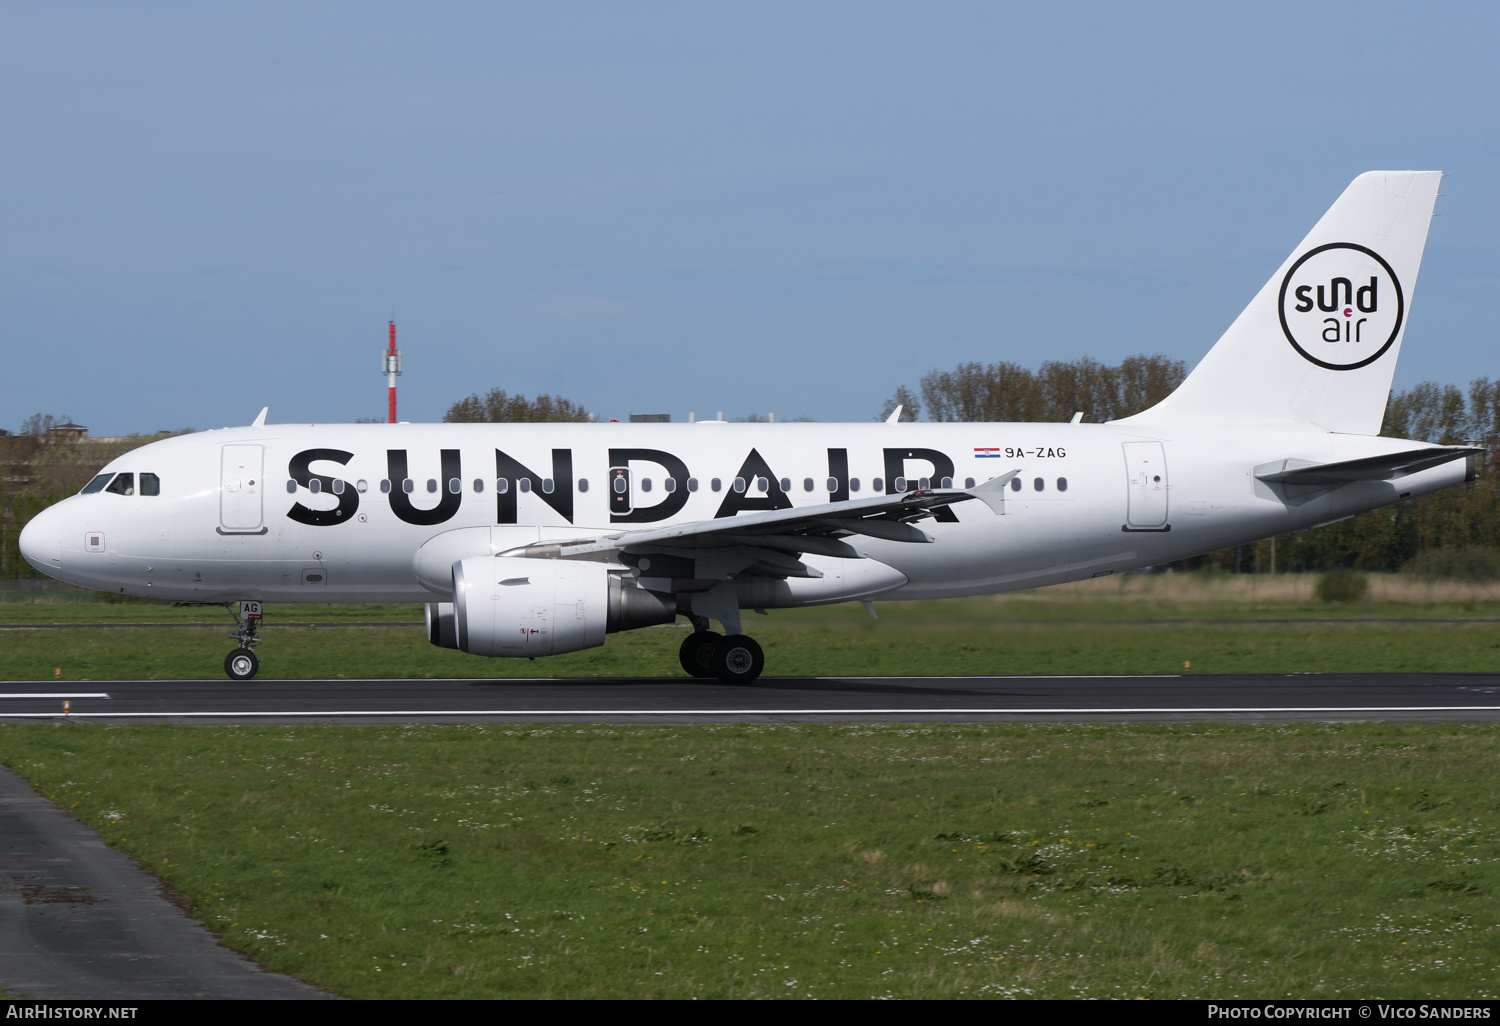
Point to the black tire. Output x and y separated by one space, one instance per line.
697 653
738 659
241 664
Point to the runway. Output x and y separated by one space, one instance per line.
1431 697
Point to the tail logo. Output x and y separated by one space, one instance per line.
1341 306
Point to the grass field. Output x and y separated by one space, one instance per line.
825 861
1144 624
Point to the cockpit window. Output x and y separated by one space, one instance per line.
97 484
151 484
123 484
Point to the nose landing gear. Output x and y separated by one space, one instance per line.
242 663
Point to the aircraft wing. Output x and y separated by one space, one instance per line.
1371 468
769 542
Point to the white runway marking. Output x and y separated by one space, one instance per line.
1127 711
54 694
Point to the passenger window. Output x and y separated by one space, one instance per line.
621 485
1039 484
900 484
408 486
583 484
692 484
807 484
123 484
947 482
739 484
786 484
968 482
455 486
761 484
151 484
875 484
670 484
97 484
924 483
361 486
645 484
315 486
502 485
854 484
523 483
833 484
385 485
547 486
338 486
291 487
479 484
1062 484
432 484
1015 484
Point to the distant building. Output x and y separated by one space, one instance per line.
650 418
67 433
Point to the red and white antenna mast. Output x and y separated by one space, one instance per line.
391 366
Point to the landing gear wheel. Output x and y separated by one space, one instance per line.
697 653
241 664
738 659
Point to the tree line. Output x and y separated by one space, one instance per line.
1054 392
499 407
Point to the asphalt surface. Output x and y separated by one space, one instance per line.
1243 697
79 921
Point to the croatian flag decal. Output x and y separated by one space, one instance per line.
986 454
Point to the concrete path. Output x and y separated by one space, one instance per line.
79 921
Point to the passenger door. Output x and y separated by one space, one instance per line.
1146 472
242 489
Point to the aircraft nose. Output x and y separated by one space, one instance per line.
41 541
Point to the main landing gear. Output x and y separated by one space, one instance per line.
242 663
736 659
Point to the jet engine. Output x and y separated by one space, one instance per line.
517 607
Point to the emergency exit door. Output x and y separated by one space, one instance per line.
1146 472
242 488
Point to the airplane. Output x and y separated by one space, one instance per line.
528 540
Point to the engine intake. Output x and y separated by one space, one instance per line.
515 607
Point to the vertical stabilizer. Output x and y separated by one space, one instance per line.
1317 346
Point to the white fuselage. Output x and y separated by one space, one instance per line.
226 526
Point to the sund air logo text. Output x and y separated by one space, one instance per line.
1341 306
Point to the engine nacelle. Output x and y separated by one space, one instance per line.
515 607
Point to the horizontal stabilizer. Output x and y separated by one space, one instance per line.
1371 468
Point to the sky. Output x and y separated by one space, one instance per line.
660 207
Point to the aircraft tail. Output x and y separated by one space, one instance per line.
1317 346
